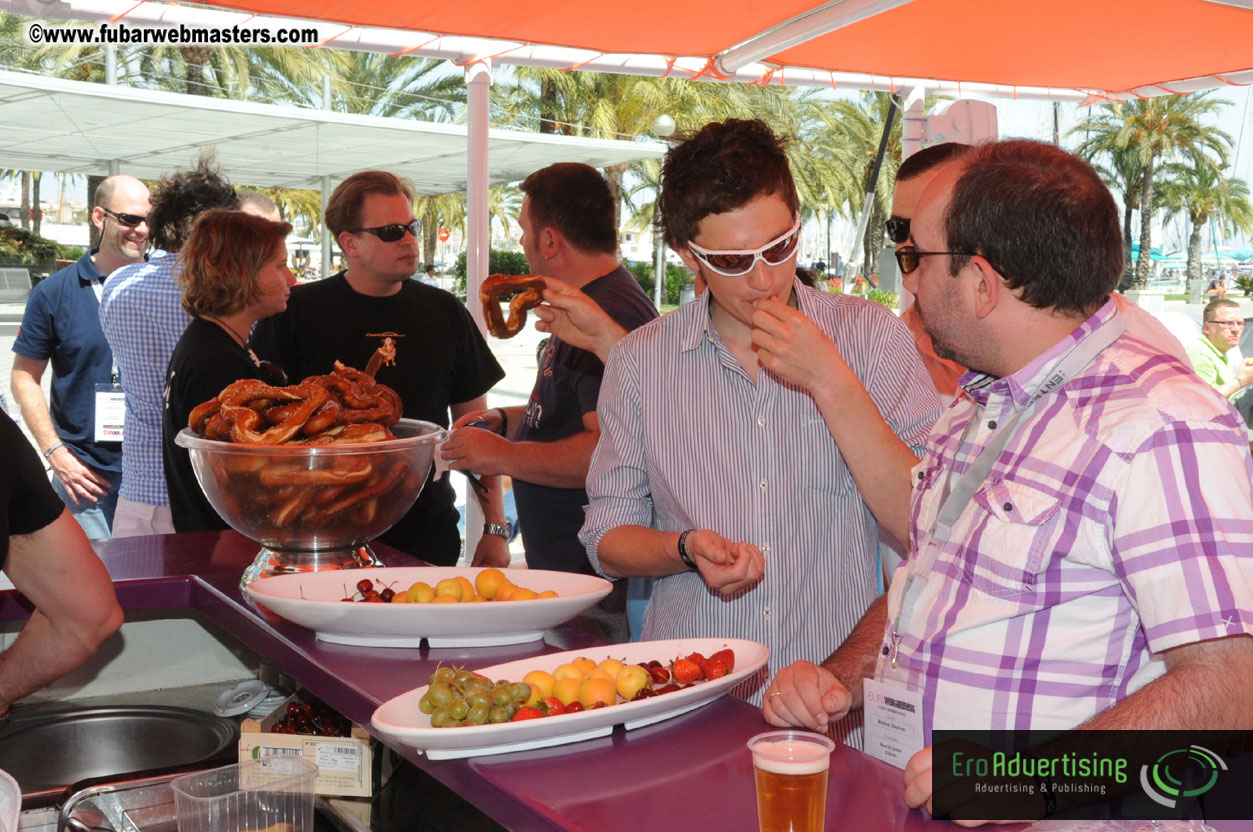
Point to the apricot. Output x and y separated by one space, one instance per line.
543 680
489 581
449 587
568 671
522 594
467 588
548 593
505 592
567 689
596 689
444 599
421 593
610 666
585 664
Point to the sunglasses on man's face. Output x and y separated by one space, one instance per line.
910 258
898 229
128 220
735 263
390 233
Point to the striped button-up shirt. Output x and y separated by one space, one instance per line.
1116 523
142 318
688 440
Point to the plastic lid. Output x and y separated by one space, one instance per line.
241 698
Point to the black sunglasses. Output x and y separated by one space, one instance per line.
390 233
910 258
898 230
128 220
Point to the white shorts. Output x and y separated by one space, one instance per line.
133 519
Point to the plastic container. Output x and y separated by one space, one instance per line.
273 793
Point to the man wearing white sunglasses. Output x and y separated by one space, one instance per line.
712 473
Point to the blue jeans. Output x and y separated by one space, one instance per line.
95 518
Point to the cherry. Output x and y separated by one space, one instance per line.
364 585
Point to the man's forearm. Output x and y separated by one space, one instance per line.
847 663
30 399
640 552
877 459
562 463
42 654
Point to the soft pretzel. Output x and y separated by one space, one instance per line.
527 291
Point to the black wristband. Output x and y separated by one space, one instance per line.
1048 793
504 421
683 555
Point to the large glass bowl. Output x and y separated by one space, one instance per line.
314 507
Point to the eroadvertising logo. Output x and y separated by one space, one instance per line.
1089 775
1164 780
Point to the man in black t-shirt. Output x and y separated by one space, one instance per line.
568 235
50 561
427 346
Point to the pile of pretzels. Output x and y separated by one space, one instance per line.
283 495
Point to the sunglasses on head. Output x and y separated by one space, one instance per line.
390 233
735 263
909 258
898 229
128 220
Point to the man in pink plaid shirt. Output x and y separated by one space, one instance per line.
1081 525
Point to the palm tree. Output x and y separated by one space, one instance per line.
1159 129
1118 167
1205 195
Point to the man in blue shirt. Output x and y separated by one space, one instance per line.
62 325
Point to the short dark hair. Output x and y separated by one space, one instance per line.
928 158
260 203
223 257
181 197
1043 219
719 168
1207 315
343 209
575 199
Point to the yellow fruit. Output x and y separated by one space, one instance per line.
450 587
585 664
522 594
505 592
568 671
596 689
421 593
489 581
467 588
400 598
443 599
548 593
610 666
567 689
631 680
541 679
534 699
478 599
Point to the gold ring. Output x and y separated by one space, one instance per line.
776 693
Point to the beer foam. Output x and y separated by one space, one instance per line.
791 757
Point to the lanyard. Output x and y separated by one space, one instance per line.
97 286
959 496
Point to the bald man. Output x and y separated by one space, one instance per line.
62 325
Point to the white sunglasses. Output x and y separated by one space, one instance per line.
735 263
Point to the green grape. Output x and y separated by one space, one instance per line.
501 695
511 709
425 705
521 691
458 709
477 715
463 676
441 694
443 673
498 714
440 718
477 683
478 696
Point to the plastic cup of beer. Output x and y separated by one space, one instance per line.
790 768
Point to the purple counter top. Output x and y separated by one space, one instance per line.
691 772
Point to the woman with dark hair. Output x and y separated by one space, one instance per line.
234 273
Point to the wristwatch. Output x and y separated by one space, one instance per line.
501 529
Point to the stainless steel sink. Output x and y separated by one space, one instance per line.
51 752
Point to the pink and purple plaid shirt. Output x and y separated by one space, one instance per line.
1117 523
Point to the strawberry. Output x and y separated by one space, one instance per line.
696 657
714 668
685 671
551 706
726 657
527 712
660 675
574 707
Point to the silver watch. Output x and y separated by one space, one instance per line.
501 529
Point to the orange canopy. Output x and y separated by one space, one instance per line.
1141 47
